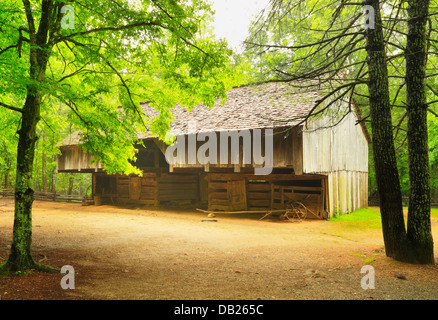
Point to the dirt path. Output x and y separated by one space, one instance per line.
171 254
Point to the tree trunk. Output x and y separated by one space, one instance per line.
419 231
6 180
44 166
70 186
53 179
7 162
387 177
7 175
35 178
20 257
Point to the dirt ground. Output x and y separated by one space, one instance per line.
172 254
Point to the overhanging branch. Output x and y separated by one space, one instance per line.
11 107
119 28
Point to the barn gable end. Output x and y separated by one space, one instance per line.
335 145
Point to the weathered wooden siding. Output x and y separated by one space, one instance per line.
122 189
341 153
174 187
329 148
73 158
347 191
150 189
286 153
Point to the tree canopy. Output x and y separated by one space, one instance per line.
313 39
87 66
381 55
106 54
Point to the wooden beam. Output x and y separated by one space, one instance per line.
270 177
241 212
271 205
156 157
297 150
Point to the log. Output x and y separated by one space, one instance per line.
248 211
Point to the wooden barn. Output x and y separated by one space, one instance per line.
281 156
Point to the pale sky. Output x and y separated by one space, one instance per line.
233 17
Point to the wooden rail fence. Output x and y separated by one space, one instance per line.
46 196
374 201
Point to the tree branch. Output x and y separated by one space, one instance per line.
120 28
129 93
304 45
7 48
11 107
433 112
29 16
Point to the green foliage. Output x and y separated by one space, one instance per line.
282 39
119 54
286 42
8 142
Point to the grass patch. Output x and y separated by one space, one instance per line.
362 219
364 256
368 218
434 213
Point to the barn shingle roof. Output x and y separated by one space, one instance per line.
266 105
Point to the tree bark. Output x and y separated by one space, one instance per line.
387 176
6 180
53 179
70 186
44 166
7 169
7 175
419 231
20 257
35 178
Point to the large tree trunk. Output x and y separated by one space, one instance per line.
20 257
419 229
387 177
